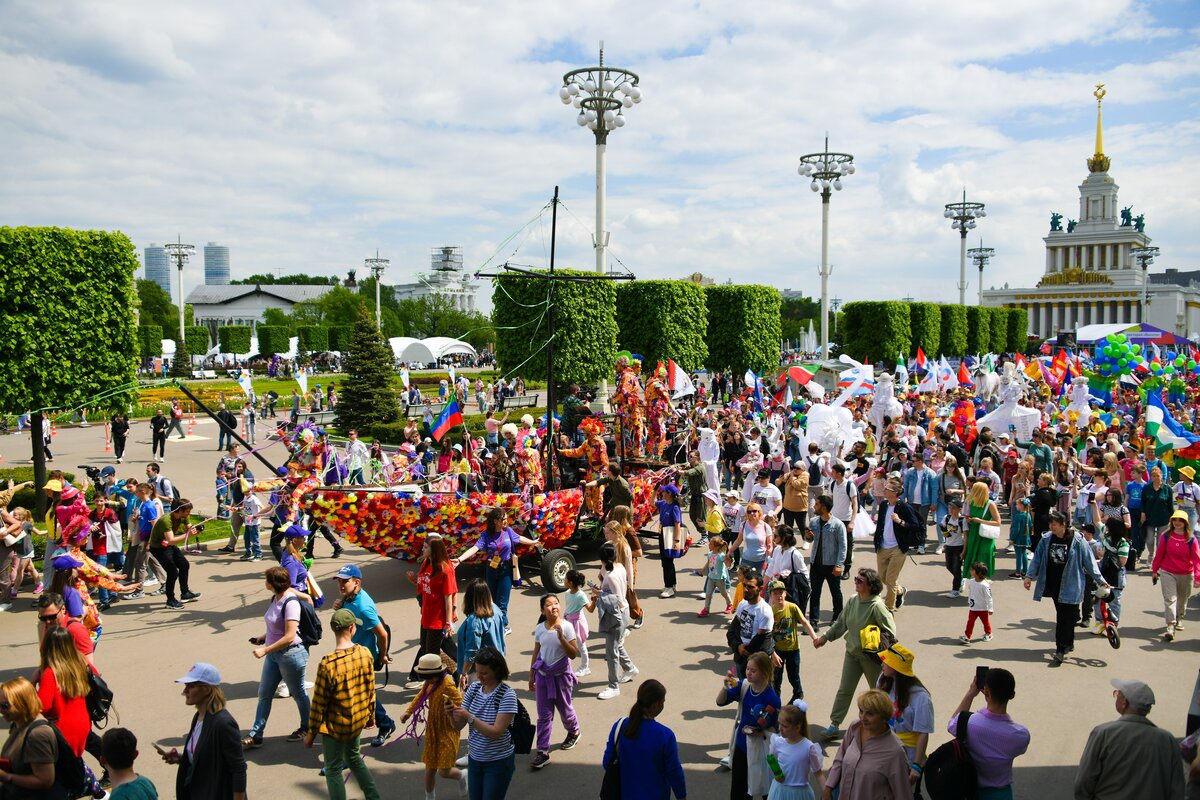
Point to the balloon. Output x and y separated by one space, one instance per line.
1120 337
1191 364
1137 348
1169 369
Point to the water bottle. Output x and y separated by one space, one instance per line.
773 763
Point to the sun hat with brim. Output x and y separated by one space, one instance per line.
66 562
70 492
430 664
53 485
714 495
1181 514
1188 473
201 673
899 658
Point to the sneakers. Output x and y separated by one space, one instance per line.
337 553
729 608
1178 626
138 595
637 623
831 732
724 764
226 549
156 592
900 598
583 672
8 607
1098 629
38 589
384 734
570 742
703 612
297 735
189 597
151 581
462 762
667 592
941 549
964 639
540 759
630 675
174 605
921 550
282 690
1058 658
952 593
1170 634
609 693
252 742
1016 574
257 557
987 637
246 557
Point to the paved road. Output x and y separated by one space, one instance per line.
145 647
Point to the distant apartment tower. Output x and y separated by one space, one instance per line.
158 267
216 265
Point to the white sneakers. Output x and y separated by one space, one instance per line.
583 673
609 693
952 593
630 675
667 592
282 690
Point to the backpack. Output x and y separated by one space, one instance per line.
521 729
70 775
99 699
949 772
814 471
310 628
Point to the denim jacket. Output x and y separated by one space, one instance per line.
830 541
929 486
1080 562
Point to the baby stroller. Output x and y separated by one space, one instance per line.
1110 627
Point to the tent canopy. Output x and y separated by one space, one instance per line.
1138 333
426 351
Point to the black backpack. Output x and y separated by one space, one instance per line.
70 776
99 700
521 728
310 628
949 772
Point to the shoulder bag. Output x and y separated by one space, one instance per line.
988 530
610 787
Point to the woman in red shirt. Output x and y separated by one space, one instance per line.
436 588
63 688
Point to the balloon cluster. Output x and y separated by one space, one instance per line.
1118 356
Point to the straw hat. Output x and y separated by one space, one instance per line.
430 664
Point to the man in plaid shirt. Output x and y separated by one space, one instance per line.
343 703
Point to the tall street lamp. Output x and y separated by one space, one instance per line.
964 215
377 265
1145 257
826 170
834 304
180 253
981 256
601 94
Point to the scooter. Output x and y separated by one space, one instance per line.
1110 627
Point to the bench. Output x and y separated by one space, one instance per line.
521 401
317 417
200 374
418 409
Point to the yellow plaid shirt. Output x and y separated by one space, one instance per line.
343 701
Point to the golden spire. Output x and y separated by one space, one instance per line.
1099 162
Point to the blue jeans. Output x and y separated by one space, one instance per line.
382 720
287 665
250 539
489 780
356 477
115 562
499 583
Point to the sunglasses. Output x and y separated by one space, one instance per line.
49 617
5 705
859 579
748 513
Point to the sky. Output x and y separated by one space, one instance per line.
306 135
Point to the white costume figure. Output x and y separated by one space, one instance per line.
710 454
1079 401
987 386
832 426
885 404
1011 414
752 462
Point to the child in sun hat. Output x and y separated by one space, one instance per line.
441 735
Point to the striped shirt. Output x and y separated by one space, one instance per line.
343 701
486 706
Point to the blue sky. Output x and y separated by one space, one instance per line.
306 135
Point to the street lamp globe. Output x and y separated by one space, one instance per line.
964 215
826 170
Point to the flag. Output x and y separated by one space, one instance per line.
847 377
1019 362
302 379
449 417
964 376
901 372
679 382
1166 432
815 390
1102 392
1157 352
1046 349
929 383
946 377
246 383
921 361
801 375
404 376
787 401
450 369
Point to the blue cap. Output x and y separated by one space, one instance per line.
281 471
67 561
349 571
201 673
109 470
670 489
296 532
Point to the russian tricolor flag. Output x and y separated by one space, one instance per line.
450 417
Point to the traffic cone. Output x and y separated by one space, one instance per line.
53 428
107 440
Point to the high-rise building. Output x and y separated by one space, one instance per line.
216 265
158 267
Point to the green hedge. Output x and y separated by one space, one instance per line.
954 331
926 324
878 331
150 340
339 337
999 331
27 497
979 330
743 327
312 339
199 340
585 340
1018 330
234 339
663 320
272 339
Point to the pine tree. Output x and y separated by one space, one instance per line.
181 364
368 395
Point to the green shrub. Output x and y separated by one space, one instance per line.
234 339
26 497
743 327
663 320
979 330
312 339
199 340
953 341
339 337
273 339
999 331
926 323
150 340
878 331
1018 330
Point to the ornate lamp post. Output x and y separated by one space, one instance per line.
180 253
377 265
1145 257
981 255
826 170
964 215
834 304
601 94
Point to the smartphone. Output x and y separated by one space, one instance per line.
159 748
592 584
980 677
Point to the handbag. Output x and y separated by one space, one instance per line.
610 787
988 531
635 606
874 639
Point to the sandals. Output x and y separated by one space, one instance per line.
252 742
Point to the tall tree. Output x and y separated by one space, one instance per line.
368 395
299 279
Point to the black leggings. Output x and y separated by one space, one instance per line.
668 564
431 642
176 566
1065 617
739 783
158 444
791 662
954 554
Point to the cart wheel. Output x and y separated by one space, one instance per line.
555 566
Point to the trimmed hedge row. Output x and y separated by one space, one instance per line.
663 320
743 327
234 338
880 331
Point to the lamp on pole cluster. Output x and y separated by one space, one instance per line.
377 265
1145 257
601 94
981 256
964 215
835 303
180 253
826 170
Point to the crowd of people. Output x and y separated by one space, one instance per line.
775 515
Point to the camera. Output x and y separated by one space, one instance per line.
93 473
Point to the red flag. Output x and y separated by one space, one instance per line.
920 358
964 376
1046 349
800 375
1020 362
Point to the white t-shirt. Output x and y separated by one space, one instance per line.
754 618
616 582
841 494
783 562
797 761
889 529
552 650
979 595
767 496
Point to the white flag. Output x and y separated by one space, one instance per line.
404 376
302 379
245 382
947 377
